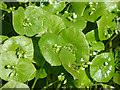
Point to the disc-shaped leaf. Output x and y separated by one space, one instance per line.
106 26
54 7
94 11
21 44
77 42
78 7
48 44
15 85
78 22
102 67
28 22
13 68
52 24
83 79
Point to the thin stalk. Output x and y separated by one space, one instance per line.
37 76
49 85
110 46
111 39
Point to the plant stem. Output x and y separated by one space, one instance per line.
37 76
50 85
110 46
111 39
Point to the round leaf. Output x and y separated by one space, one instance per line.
15 84
54 7
94 11
28 22
46 44
15 69
102 67
106 26
21 44
116 78
78 23
75 39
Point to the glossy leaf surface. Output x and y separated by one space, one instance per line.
106 26
102 67
46 44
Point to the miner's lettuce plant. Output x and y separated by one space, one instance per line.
60 45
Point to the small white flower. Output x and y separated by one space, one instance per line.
89 63
106 63
97 3
118 10
94 53
90 2
12 66
83 68
55 45
81 60
57 12
30 24
74 15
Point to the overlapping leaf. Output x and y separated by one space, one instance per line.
13 68
102 68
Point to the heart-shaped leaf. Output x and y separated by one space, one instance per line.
102 67
13 68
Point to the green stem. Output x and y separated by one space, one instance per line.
112 46
50 85
37 76
111 39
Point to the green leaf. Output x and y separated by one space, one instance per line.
21 44
76 41
102 67
3 6
15 69
111 6
31 21
94 11
54 7
3 38
97 46
15 84
66 57
93 40
52 24
49 51
78 22
106 26
42 72
116 78
78 7
83 80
